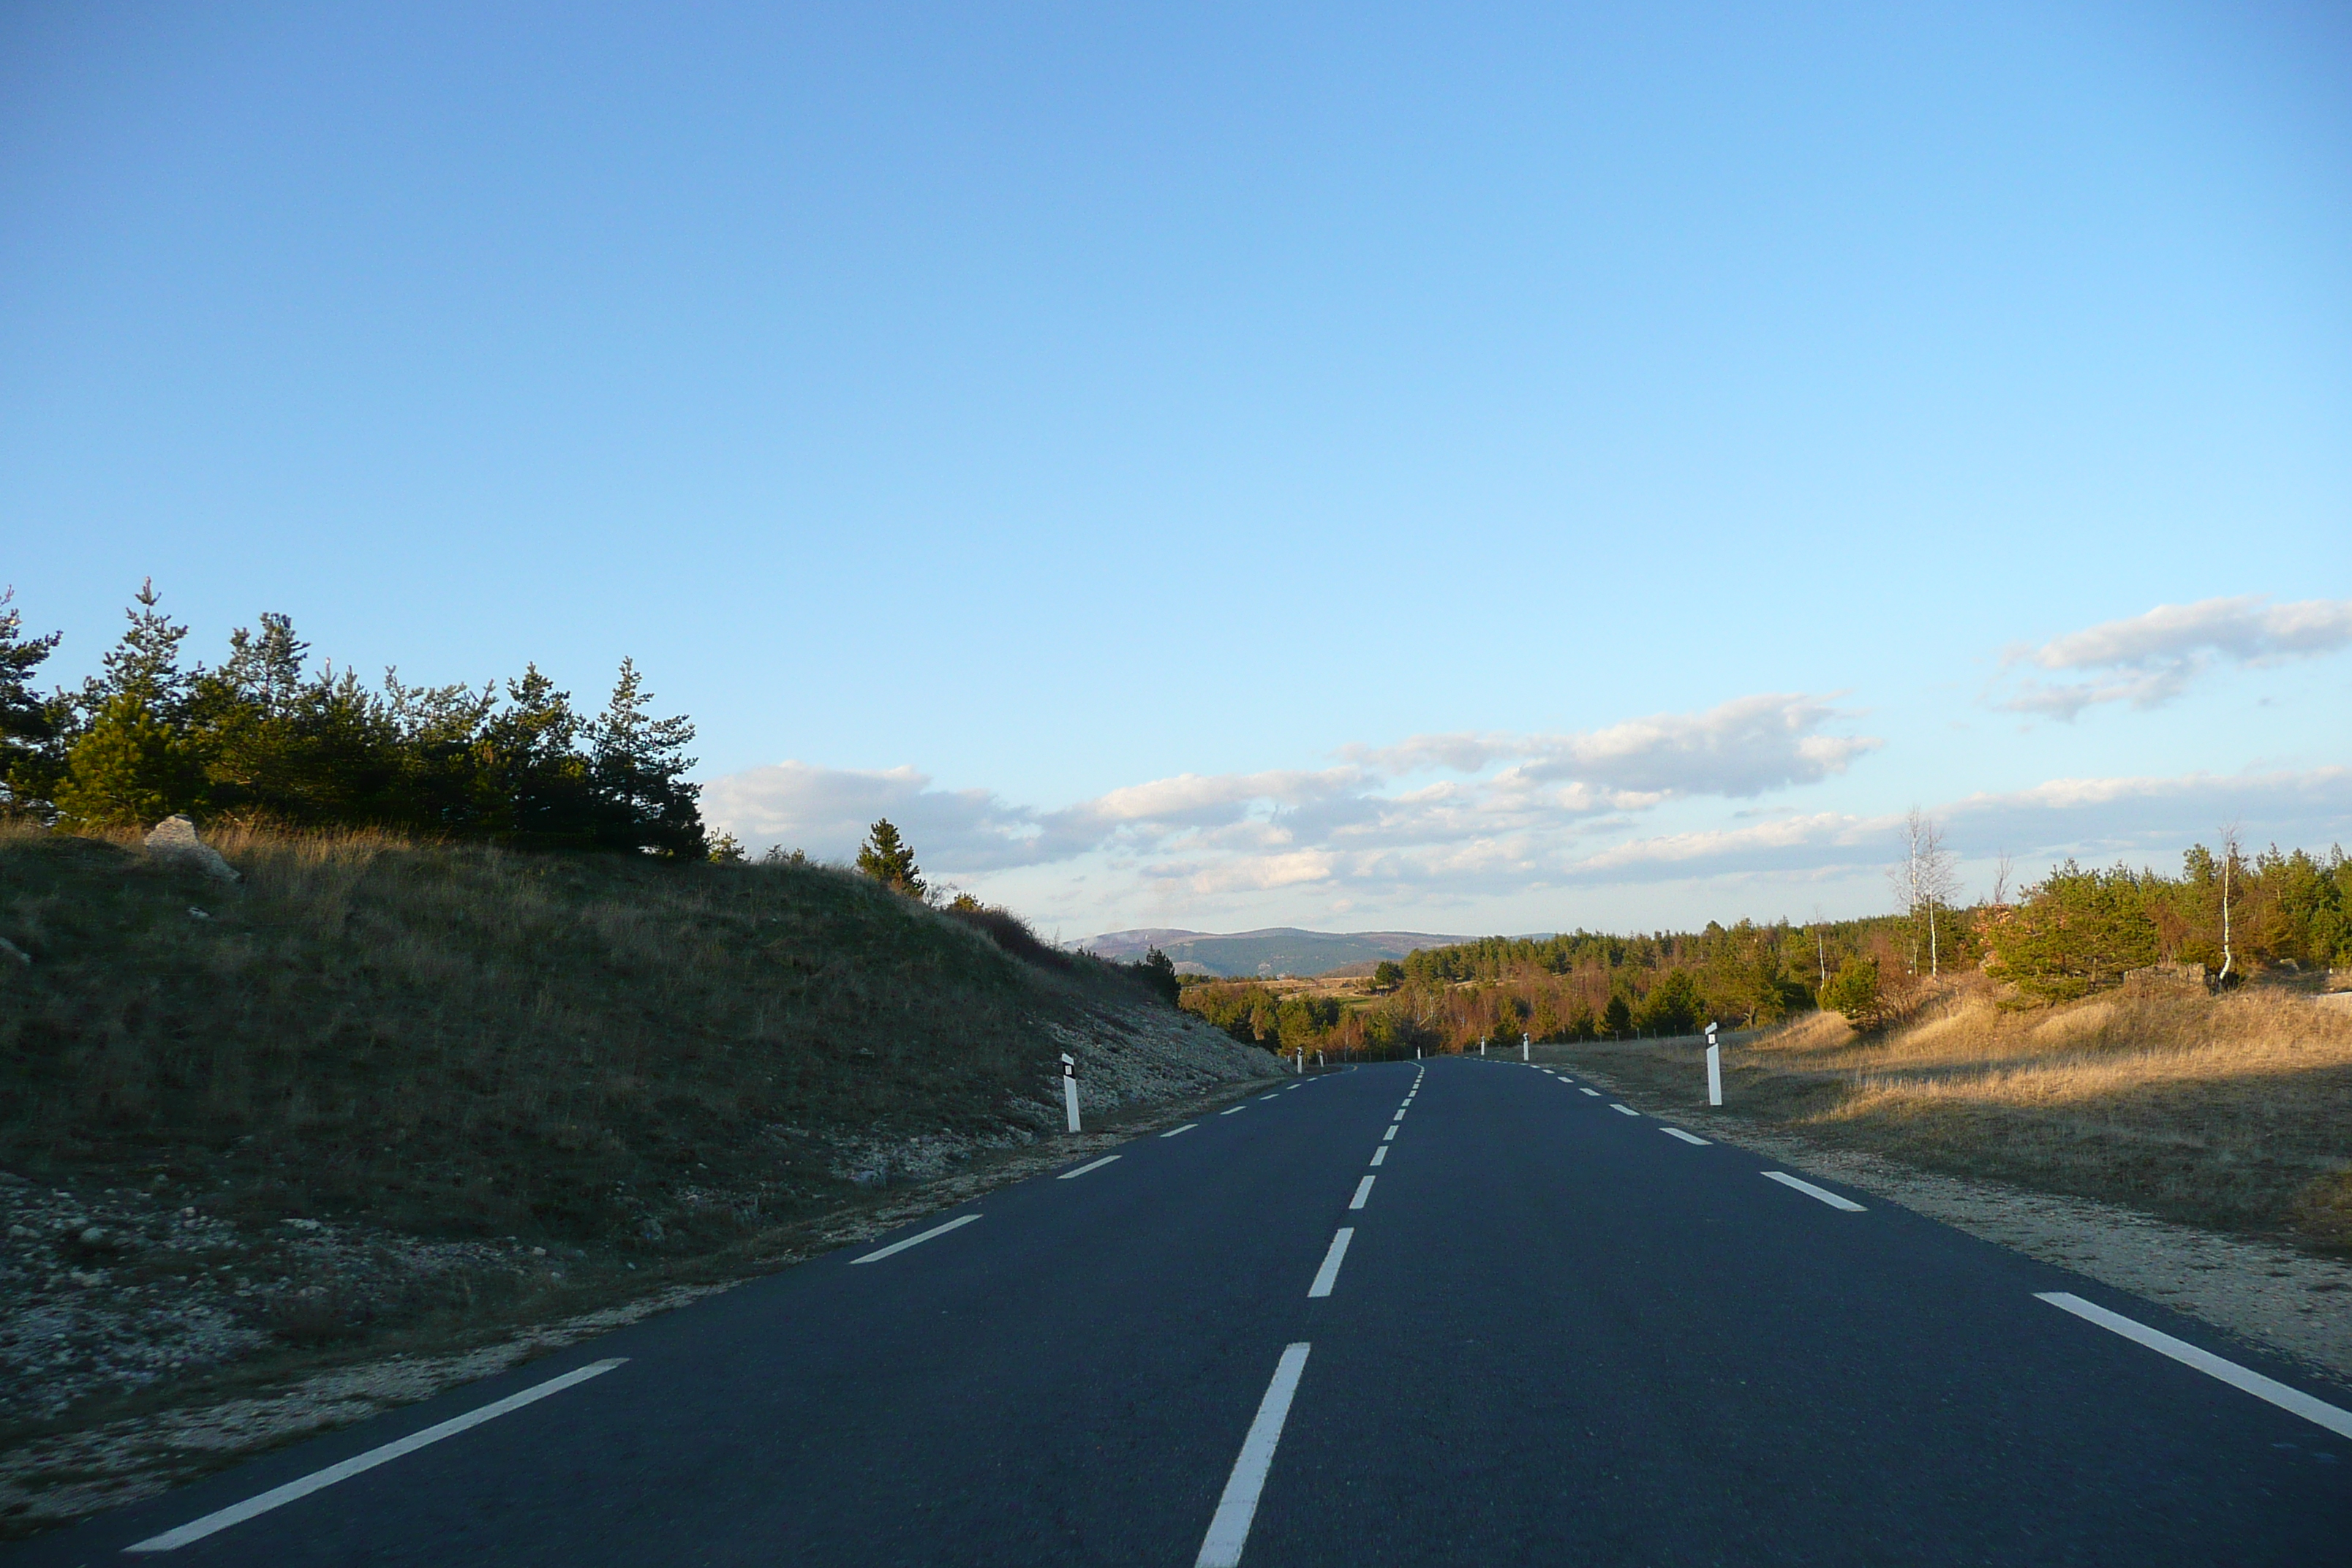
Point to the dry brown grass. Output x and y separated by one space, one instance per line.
2232 1112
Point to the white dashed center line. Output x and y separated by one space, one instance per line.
1388 1135
1363 1191
1685 1137
1328 1274
1082 1170
1380 1152
1398 1116
1812 1191
1229 1529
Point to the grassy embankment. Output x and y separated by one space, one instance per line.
630 1059
2233 1113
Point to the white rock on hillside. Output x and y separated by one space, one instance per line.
174 842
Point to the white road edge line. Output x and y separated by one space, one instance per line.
1685 1137
1624 1109
1363 1191
278 1497
1812 1191
1380 1152
1082 1170
1326 1275
1229 1527
1173 1131
1270 1096
1594 1092
2316 1411
1234 1109
916 1240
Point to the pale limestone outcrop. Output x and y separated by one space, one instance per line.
174 842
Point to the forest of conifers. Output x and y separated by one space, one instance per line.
263 739
2073 932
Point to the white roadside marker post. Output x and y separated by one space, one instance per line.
1526 1041
1713 1069
1482 1044
1070 1088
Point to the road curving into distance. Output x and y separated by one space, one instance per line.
1442 1312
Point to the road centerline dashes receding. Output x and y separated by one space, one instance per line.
1380 1152
1812 1191
1329 1275
1229 1528
278 1497
1388 1135
1363 1191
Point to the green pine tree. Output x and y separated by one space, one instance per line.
32 755
890 860
1854 991
145 664
128 769
638 767
1616 1019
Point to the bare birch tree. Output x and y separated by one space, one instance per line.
1925 882
2229 876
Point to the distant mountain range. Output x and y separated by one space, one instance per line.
1278 950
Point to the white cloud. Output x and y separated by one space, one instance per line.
1283 828
1518 822
2151 659
1740 748
2094 818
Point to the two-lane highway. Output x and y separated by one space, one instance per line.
1445 1312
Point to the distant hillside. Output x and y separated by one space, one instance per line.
1277 950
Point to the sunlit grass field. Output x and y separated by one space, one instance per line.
2233 1112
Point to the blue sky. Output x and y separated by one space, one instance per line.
1349 467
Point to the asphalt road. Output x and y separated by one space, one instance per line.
1556 1334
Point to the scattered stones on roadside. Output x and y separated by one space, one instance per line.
113 1293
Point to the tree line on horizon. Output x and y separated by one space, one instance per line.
2075 932
265 739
